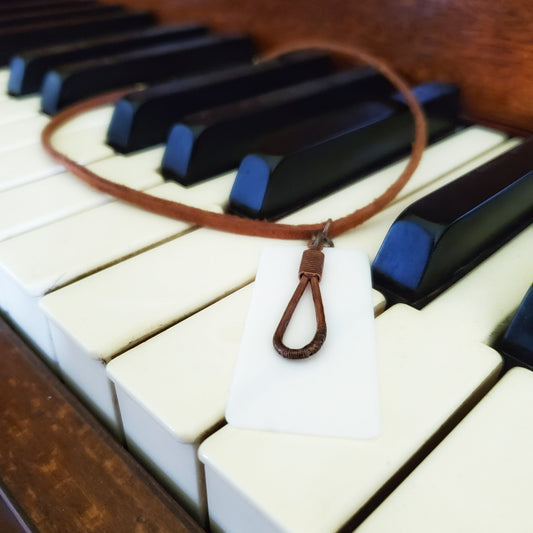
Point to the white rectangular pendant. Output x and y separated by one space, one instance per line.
333 393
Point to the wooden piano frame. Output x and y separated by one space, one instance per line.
60 471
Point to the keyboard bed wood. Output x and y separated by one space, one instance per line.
56 459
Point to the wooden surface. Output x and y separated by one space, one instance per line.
485 46
63 471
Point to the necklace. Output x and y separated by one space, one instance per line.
319 233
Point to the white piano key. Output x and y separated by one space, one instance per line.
21 132
13 109
197 364
479 479
44 201
29 162
28 130
273 482
147 293
149 378
36 204
74 247
479 322
158 287
378 302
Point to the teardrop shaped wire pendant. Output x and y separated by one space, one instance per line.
310 272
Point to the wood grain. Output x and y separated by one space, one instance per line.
485 46
64 472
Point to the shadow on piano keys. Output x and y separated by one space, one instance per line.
236 460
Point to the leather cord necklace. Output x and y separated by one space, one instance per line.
319 233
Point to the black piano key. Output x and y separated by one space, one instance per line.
516 345
54 14
20 38
214 141
442 236
143 118
305 161
38 6
76 81
26 71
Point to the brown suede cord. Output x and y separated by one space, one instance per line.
233 223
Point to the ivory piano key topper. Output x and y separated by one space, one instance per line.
333 393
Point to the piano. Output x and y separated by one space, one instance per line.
130 463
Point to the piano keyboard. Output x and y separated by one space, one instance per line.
131 310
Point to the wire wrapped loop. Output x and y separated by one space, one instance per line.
321 329
311 268
312 264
